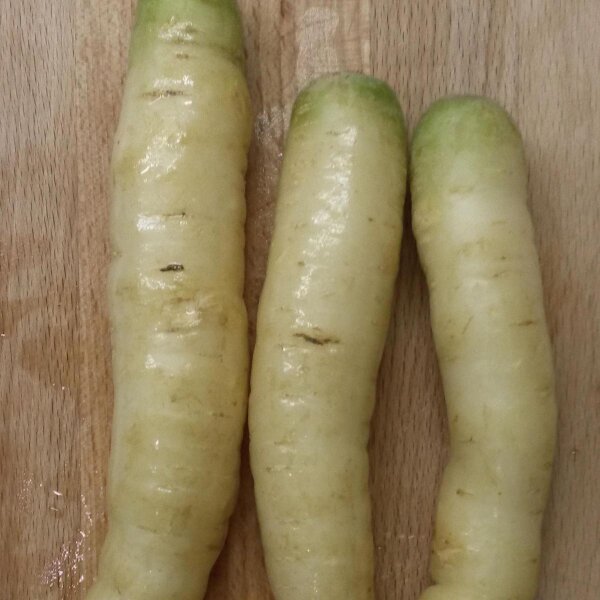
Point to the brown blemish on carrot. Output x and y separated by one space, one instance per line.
317 340
172 267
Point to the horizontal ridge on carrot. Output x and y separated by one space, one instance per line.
476 245
322 323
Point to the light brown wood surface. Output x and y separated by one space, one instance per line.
61 71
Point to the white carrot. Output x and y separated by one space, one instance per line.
179 321
322 323
476 245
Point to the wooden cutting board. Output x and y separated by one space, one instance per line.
61 72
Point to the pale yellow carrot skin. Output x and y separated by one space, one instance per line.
322 324
180 355
475 241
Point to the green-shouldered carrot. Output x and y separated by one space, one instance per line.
180 355
323 318
475 241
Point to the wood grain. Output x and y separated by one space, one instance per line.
61 76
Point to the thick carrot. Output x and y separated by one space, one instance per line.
475 240
322 324
179 321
